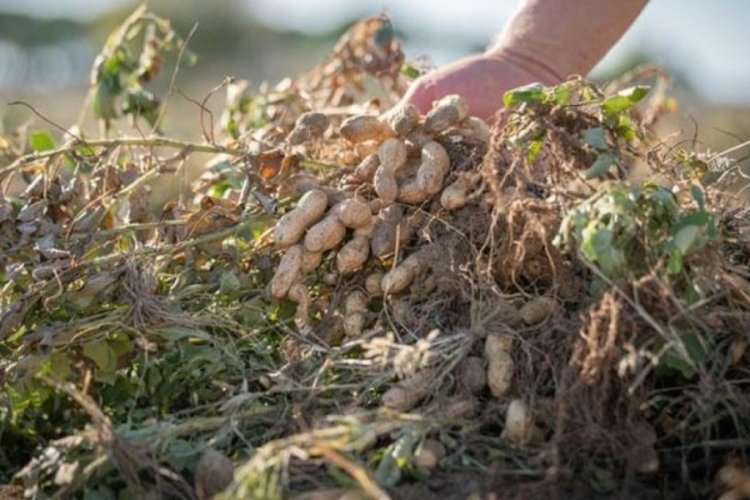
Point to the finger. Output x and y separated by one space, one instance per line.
421 94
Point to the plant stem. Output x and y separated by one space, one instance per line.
121 142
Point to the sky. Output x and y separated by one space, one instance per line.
705 41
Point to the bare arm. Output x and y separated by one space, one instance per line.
545 41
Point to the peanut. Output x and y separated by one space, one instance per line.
308 126
365 171
538 309
372 283
392 155
353 254
445 113
355 311
301 295
310 261
407 393
410 192
500 364
456 195
290 228
402 119
353 213
287 273
519 425
429 454
386 231
325 235
401 276
475 129
433 169
472 374
364 128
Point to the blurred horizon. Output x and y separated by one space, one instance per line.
47 45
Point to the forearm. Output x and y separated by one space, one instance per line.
558 38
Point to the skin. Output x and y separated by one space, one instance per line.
545 41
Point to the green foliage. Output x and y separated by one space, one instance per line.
609 117
132 57
673 360
41 140
624 100
628 230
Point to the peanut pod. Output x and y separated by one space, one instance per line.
445 113
310 261
402 119
500 365
353 213
410 192
308 126
362 128
353 254
456 195
475 129
301 295
407 393
429 177
287 272
519 424
389 226
355 311
538 309
392 155
325 235
433 169
365 171
401 276
290 228
372 283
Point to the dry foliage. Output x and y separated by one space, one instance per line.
359 297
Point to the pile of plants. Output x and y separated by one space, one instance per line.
354 297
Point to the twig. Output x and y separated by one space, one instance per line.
172 81
123 141
46 120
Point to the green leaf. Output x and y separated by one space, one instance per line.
695 350
141 102
533 92
601 166
59 366
410 71
686 237
534 149
625 128
41 140
596 138
625 99
101 354
229 282
104 101
674 264
597 246
562 93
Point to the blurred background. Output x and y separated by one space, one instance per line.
47 46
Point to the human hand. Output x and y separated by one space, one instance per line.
481 80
